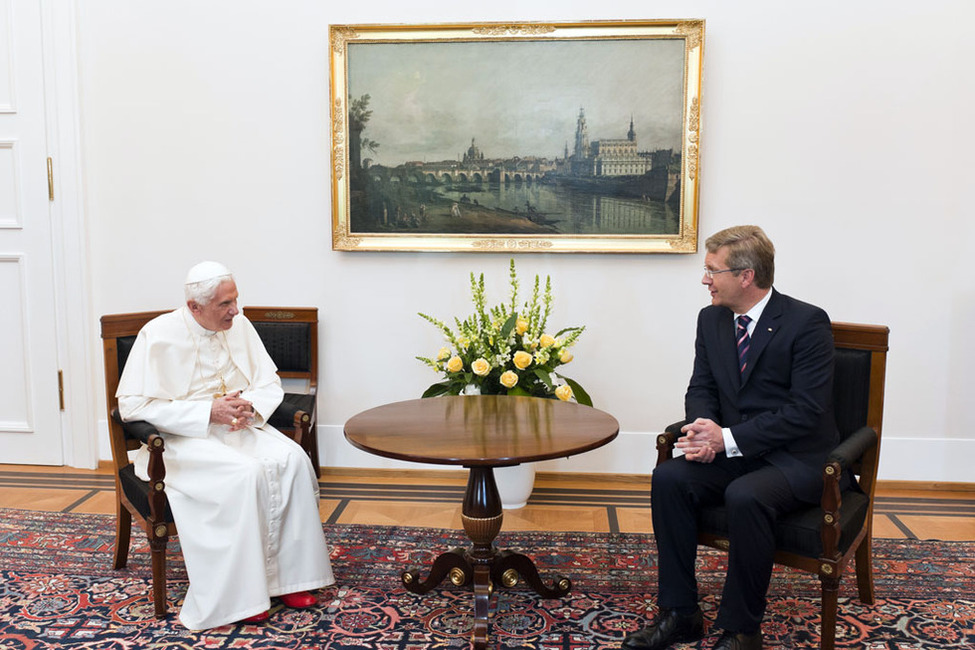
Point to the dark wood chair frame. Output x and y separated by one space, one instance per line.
146 501
842 536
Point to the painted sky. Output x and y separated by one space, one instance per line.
516 98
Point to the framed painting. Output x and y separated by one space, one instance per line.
534 137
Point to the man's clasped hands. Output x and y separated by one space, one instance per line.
702 440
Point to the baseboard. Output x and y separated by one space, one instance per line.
935 461
639 480
623 481
926 460
926 486
629 481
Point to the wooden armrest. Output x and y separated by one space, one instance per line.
285 415
666 441
137 429
843 458
849 452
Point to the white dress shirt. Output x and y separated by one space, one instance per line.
730 446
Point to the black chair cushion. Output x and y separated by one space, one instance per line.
283 417
137 492
799 532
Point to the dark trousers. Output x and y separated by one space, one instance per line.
755 494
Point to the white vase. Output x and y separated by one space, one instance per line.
515 484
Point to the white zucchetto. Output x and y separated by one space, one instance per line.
206 271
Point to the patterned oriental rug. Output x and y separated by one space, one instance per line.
58 590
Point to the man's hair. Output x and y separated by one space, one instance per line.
748 248
203 292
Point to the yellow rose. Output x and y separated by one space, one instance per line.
546 341
564 392
521 326
443 354
509 379
455 364
566 356
522 359
481 367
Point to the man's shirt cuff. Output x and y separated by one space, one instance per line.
730 446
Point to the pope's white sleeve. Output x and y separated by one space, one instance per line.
264 391
265 397
181 417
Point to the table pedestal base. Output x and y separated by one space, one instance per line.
483 565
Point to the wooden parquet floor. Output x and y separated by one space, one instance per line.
596 503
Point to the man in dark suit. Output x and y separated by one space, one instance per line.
760 425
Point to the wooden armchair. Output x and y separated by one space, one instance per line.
824 538
146 501
290 335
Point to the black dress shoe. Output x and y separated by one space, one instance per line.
733 641
667 629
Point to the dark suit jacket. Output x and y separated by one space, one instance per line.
782 407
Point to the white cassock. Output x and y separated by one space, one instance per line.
245 502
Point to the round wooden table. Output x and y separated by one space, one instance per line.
481 432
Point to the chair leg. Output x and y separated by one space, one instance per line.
123 533
864 562
831 589
158 554
313 451
306 436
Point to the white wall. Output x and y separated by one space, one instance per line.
843 128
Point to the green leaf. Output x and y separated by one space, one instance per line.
545 377
568 329
436 389
518 391
578 391
508 326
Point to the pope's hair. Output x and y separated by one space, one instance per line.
202 292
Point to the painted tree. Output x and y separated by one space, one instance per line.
359 114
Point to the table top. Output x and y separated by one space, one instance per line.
480 430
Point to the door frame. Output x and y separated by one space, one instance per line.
72 290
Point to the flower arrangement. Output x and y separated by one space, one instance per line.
501 351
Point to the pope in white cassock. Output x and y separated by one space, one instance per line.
244 496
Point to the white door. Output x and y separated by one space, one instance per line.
30 423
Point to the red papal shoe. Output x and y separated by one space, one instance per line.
299 599
257 618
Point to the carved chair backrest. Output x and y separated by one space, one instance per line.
119 332
290 335
858 385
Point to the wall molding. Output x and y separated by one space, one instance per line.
943 461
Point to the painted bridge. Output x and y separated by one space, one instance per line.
443 175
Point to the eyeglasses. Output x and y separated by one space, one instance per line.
711 273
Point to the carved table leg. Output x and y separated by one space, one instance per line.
482 515
509 565
483 564
482 601
453 563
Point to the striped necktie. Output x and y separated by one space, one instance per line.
743 341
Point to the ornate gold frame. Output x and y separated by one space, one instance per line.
681 178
